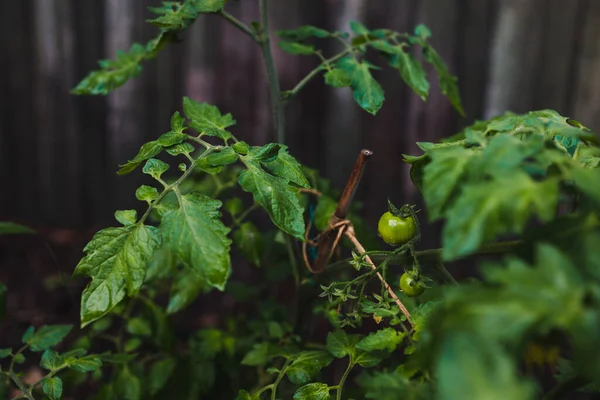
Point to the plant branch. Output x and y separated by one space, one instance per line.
349 232
300 85
278 380
273 81
25 392
239 24
340 386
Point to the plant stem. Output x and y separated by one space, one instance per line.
274 89
300 85
25 392
278 380
238 24
340 386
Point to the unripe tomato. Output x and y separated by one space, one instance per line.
396 230
410 286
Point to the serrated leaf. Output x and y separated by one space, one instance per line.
53 387
5 352
199 239
51 360
127 385
182 148
313 391
224 157
411 72
341 344
367 91
257 356
113 73
296 48
287 167
250 242
186 287
116 261
177 123
472 368
369 359
485 210
266 153
358 28
126 217
171 138
306 365
277 197
47 336
302 33
160 373
146 193
442 176
208 6
11 228
384 339
86 364
447 82
155 168
147 151
338 78
173 15
207 119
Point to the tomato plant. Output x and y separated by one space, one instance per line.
505 178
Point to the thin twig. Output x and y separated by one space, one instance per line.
239 24
349 231
272 78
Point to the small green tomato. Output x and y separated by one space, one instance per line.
410 285
396 230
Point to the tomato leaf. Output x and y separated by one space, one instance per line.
367 91
198 238
313 391
207 119
116 261
306 365
53 387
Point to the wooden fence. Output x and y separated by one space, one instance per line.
59 153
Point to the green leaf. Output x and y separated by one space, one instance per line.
471 368
306 365
411 72
266 153
127 385
5 352
46 337
146 193
340 344
242 148
186 287
586 181
199 239
223 157
385 339
207 119
182 148
160 373
53 387
485 210
173 15
139 326
126 217
243 395
86 364
257 356
338 78
387 385
302 33
296 48
446 81
208 6
287 167
146 152
358 28
19 358
177 123
171 138
116 261
234 206
113 73
369 359
325 208
367 92
10 228
155 168
442 177
51 360
276 197
313 391
250 242
422 31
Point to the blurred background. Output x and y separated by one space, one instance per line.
59 153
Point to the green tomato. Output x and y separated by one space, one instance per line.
410 286
396 230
